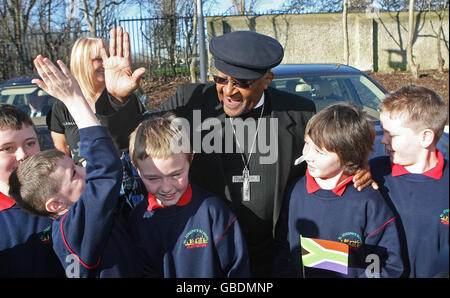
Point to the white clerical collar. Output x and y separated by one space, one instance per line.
261 102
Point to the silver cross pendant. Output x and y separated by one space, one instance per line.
246 178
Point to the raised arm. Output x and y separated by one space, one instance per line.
63 85
121 81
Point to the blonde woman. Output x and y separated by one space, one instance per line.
86 64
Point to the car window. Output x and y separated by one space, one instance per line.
329 89
35 102
29 98
4 98
369 94
19 100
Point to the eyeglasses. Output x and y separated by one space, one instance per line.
244 84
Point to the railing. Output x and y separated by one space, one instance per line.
162 45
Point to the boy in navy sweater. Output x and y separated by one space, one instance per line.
181 230
414 177
322 205
88 237
25 243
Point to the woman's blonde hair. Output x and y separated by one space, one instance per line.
83 51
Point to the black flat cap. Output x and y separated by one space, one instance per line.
245 54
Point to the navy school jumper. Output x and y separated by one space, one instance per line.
360 219
91 238
199 238
421 204
25 243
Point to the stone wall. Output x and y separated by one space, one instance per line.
376 42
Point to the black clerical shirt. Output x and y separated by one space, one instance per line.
255 216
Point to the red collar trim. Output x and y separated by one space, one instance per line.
312 186
435 173
5 202
184 200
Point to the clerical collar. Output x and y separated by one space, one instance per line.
435 172
260 103
256 112
312 186
5 202
184 200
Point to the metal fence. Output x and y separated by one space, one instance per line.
163 45
16 59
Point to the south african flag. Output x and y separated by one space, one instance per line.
324 254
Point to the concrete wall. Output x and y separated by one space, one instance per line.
376 42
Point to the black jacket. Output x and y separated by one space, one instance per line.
292 112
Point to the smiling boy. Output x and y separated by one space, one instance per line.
18 141
25 244
323 206
88 236
181 230
414 177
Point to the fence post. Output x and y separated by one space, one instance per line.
201 42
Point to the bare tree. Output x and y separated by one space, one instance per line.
15 17
413 67
330 6
191 49
438 8
345 30
312 6
93 12
56 35
108 19
241 7
171 36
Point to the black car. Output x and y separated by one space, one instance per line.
325 84
27 96
33 100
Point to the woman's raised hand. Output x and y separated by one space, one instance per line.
121 81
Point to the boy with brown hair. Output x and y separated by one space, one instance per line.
414 177
25 244
321 206
181 230
88 237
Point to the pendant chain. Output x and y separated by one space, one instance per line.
254 140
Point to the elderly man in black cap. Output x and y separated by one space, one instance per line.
251 179
243 60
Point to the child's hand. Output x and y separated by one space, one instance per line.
59 84
63 85
121 81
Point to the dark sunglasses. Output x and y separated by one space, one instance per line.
244 84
